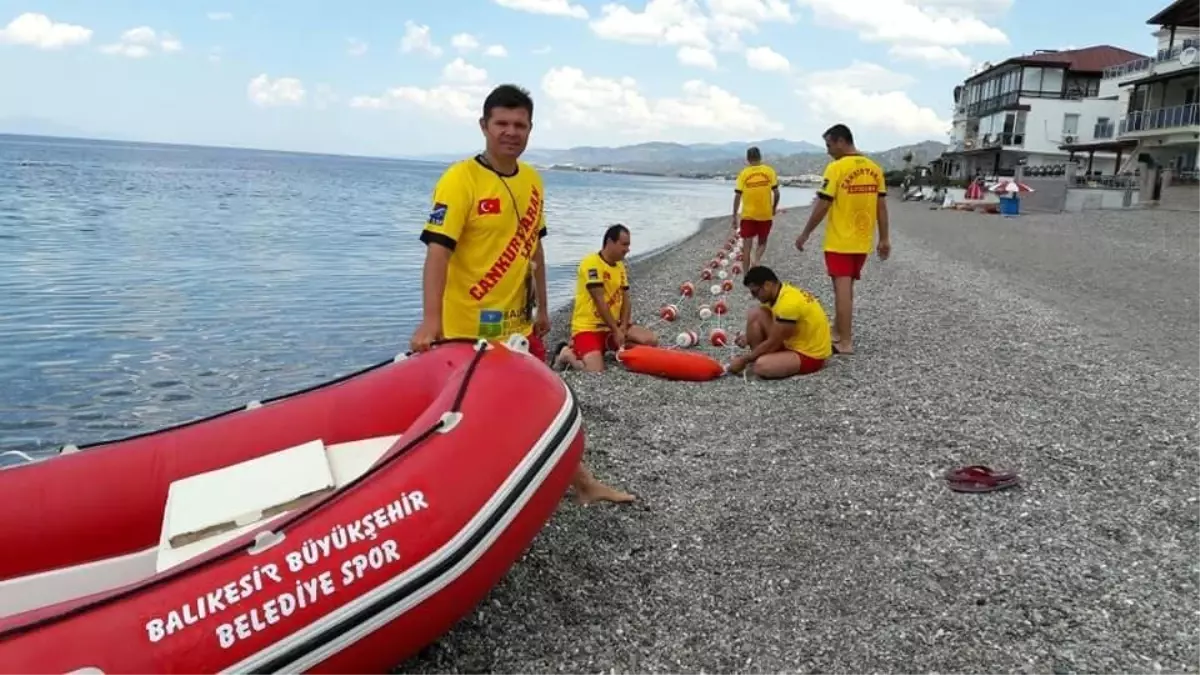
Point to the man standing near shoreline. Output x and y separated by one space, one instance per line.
483 248
602 318
853 194
757 192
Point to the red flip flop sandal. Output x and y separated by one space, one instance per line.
979 478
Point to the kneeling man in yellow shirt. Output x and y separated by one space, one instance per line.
788 334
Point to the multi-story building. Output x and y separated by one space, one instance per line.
1158 98
1021 111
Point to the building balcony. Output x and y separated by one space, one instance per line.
1165 61
1159 119
1002 140
994 104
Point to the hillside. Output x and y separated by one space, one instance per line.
791 164
790 158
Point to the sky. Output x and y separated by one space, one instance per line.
408 78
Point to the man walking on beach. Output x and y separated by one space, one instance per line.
483 248
757 192
853 194
788 334
602 316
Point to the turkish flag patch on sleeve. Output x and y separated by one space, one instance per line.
489 206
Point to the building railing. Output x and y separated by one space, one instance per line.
1104 131
1106 182
1148 63
1001 139
993 104
1187 115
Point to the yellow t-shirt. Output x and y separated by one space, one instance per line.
756 183
594 270
798 306
489 289
855 185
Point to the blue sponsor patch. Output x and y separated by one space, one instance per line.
592 274
491 316
438 215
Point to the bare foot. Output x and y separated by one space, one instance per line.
566 358
839 348
593 491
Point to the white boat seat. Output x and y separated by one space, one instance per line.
231 497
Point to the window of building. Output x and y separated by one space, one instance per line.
1032 81
1070 124
1052 81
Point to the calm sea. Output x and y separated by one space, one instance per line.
143 285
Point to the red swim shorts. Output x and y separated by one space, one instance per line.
536 347
592 341
755 228
809 365
845 264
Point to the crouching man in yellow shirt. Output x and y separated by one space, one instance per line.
601 321
788 334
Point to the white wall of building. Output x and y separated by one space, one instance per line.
1045 121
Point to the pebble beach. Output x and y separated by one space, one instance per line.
803 525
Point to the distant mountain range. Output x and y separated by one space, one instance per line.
790 158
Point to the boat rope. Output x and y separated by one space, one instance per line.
289 521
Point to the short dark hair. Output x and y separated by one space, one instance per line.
839 132
753 154
613 233
759 275
507 96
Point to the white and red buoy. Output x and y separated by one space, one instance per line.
719 307
705 312
706 274
715 289
686 289
714 263
669 312
687 339
722 274
736 269
720 255
717 337
727 285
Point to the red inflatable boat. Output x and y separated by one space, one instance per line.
338 529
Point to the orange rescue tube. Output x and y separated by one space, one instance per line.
672 364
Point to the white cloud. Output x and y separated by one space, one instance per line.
220 16
459 71
541 50
694 56
464 42
285 91
40 32
140 42
684 23
767 59
934 55
460 94
356 47
946 23
618 106
417 39
550 7
496 51
869 95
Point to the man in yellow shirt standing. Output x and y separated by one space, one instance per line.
483 248
853 194
757 192
788 334
602 317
